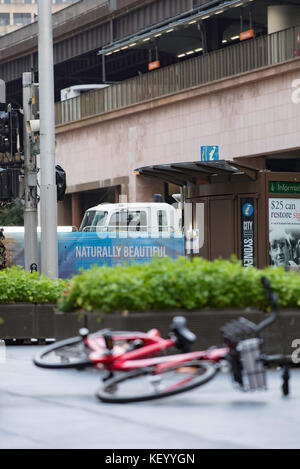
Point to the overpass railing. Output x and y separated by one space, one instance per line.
229 61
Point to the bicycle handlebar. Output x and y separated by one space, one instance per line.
240 328
272 298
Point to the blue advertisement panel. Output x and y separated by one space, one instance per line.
82 250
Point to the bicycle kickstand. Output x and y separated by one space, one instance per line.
285 379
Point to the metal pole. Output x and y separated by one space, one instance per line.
49 251
30 174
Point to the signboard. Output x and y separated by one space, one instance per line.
284 187
210 153
284 232
153 65
78 250
247 34
247 232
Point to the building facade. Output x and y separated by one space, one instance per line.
17 13
181 75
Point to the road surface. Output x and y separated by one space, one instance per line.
57 409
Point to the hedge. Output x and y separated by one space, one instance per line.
181 283
18 285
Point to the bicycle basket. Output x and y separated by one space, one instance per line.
253 371
275 338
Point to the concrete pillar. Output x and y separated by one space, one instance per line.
64 211
145 188
282 17
76 210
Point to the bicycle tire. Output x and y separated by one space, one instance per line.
201 372
73 346
70 353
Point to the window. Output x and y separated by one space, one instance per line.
22 18
93 220
4 19
162 220
131 220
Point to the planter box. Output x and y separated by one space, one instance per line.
17 321
68 324
24 321
204 323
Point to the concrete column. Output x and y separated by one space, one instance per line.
64 211
145 189
282 17
76 210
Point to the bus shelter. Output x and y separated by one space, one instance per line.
236 208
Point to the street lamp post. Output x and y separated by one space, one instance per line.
30 174
48 192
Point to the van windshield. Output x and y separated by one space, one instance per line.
93 220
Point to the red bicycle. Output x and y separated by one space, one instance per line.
129 352
136 373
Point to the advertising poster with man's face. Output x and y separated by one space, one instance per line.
284 232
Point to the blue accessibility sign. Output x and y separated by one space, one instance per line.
210 153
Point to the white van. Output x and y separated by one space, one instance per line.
136 217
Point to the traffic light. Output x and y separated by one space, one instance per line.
11 131
9 183
4 129
61 183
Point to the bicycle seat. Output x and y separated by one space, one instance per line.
184 337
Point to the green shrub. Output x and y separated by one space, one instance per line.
181 283
18 285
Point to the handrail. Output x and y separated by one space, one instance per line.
229 61
92 228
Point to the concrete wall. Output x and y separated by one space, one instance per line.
251 114
282 17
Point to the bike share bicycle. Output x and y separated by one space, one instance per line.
136 373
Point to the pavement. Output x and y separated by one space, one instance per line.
57 409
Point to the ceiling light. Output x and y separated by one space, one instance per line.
204 17
218 12
170 30
147 39
238 5
190 52
117 50
234 37
158 35
125 47
193 22
109 53
198 50
134 44
180 55
224 41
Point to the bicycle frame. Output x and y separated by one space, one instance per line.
120 360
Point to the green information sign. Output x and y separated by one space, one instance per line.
283 187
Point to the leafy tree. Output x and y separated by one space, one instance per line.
12 214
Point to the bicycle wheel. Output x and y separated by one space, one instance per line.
147 384
73 352
69 353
